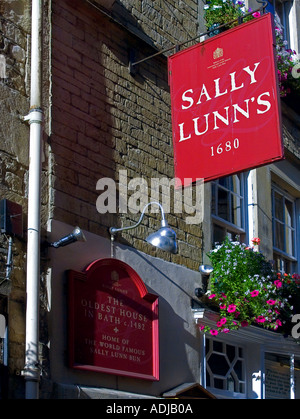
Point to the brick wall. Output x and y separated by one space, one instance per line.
14 36
105 120
15 41
160 23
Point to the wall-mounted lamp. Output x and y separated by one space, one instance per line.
76 235
164 238
205 270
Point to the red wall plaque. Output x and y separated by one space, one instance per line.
113 321
225 103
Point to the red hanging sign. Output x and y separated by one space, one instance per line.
113 321
225 103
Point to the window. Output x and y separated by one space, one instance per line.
281 376
252 363
233 368
284 230
225 366
282 9
228 208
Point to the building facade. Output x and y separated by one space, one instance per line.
106 153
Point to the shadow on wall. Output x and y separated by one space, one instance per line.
178 335
179 340
99 124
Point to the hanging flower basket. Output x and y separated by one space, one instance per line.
221 15
248 292
224 13
287 63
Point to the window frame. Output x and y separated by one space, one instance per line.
282 9
285 257
256 342
229 227
209 341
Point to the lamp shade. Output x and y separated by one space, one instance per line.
206 269
164 238
76 235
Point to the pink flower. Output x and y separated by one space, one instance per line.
254 293
221 322
213 332
271 302
244 323
278 283
231 308
256 14
278 322
222 306
260 319
201 327
225 330
212 296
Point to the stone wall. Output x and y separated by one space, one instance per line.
15 42
14 38
105 120
160 23
100 122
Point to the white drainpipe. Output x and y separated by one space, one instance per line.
35 117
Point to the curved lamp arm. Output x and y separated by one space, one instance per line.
164 238
164 223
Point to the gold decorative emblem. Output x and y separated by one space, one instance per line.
114 276
218 53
